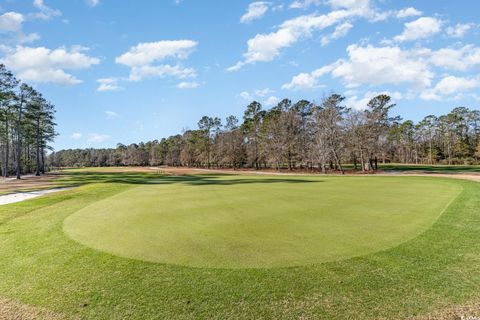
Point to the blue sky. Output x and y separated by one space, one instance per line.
130 71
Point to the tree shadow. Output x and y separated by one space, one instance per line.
82 178
433 168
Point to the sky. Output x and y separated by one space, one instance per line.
130 71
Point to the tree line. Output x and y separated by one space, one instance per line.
303 135
27 126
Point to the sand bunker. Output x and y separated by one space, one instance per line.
22 196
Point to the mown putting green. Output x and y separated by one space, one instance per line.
257 222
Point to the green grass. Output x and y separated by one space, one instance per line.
42 266
251 221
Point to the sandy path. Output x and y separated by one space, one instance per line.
22 196
464 176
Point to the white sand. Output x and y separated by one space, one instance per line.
22 196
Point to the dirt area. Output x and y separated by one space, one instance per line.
469 311
29 182
11 310
465 176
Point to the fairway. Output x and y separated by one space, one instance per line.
228 221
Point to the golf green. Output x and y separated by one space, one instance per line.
259 221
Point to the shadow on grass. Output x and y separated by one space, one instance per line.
432 168
82 178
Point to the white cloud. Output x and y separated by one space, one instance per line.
56 76
94 138
266 47
334 4
302 4
245 96
372 66
350 4
408 12
307 81
263 92
188 85
143 59
459 59
27 38
93 3
162 71
390 65
339 32
76 136
46 13
108 84
259 94
11 22
450 87
359 8
256 10
149 52
421 28
111 115
271 101
360 103
382 65
459 30
43 65
237 66
302 81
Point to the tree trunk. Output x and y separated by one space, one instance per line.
337 160
431 152
19 142
37 172
42 169
7 148
362 160
208 156
19 154
324 171
256 154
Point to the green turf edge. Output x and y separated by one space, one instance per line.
413 236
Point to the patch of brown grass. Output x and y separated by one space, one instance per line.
29 182
468 311
11 310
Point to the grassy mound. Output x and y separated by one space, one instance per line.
254 222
